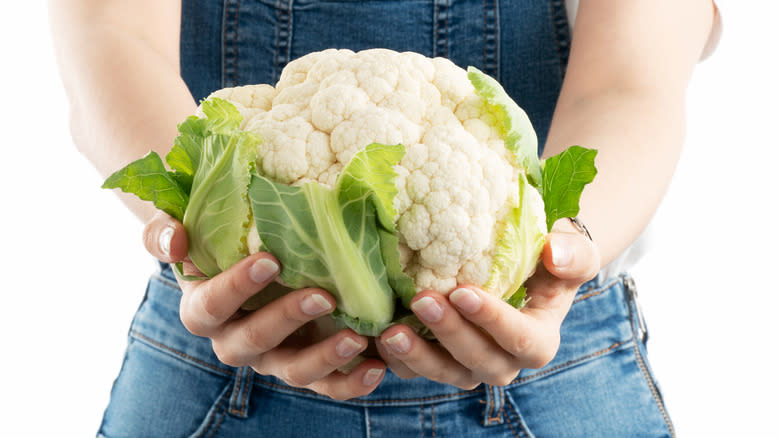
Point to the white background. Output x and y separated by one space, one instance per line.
73 268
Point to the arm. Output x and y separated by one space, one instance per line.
119 62
623 94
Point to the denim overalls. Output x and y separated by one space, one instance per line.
599 384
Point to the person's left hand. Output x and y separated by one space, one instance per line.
481 338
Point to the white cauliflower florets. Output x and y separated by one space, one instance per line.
456 181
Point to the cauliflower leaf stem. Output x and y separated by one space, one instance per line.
330 237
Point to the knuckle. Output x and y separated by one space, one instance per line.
192 323
294 378
226 355
291 311
521 345
474 359
209 303
255 338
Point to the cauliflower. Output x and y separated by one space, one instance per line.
374 175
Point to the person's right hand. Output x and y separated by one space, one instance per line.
265 338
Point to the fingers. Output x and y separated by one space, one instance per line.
240 341
301 367
361 381
531 336
467 354
206 305
413 356
316 366
165 238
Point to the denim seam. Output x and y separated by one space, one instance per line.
562 37
490 47
213 414
519 421
368 421
596 291
241 388
433 422
646 373
284 12
509 423
572 362
313 394
248 389
230 42
653 390
441 23
178 354
164 279
239 378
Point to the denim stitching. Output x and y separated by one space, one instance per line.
371 402
178 353
368 421
593 291
248 389
422 421
163 279
236 390
572 362
230 48
561 25
491 46
433 423
602 352
509 423
235 44
213 414
519 421
283 35
656 396
441 22
646 373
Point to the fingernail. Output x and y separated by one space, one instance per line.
165 238
561 253
372 376
466 300
263 270
399 343
348 347
428 309
315 304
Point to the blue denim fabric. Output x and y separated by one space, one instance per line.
599 385
523 43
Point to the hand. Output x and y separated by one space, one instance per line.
265 339
481 338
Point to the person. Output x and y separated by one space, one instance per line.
571 363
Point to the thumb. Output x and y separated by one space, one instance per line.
570 256
165 238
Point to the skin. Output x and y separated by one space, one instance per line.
624 93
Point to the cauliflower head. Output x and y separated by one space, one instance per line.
457 181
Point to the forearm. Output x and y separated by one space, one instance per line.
624 94
639 137
123 84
